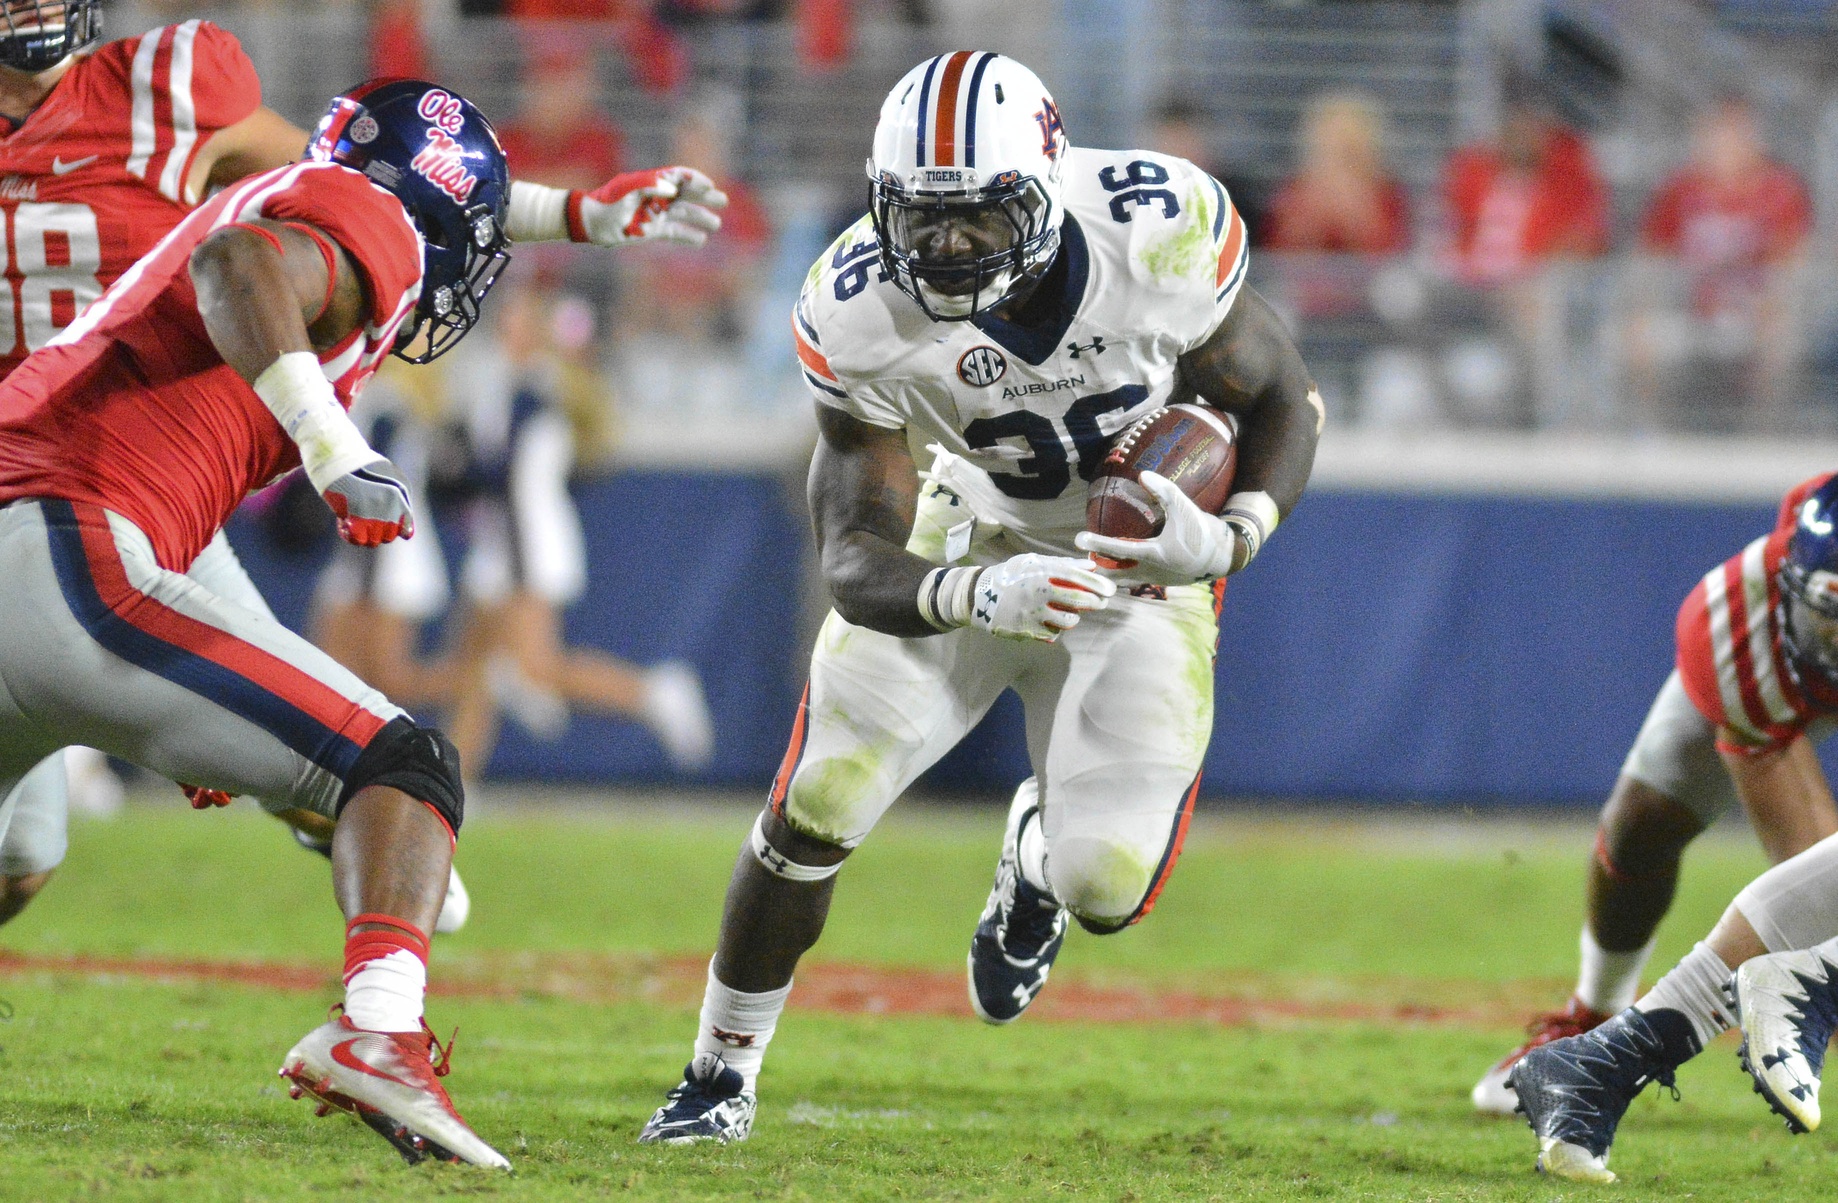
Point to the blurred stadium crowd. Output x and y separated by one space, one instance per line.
1504 214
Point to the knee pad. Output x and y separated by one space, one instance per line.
1105 883
780 865
419 761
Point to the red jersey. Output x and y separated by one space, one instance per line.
96 175
1502 223
1731 657
1727 235
131 408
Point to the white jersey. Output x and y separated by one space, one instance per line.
1152 257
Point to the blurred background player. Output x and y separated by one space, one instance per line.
995 252
1754 691
167 117
508 448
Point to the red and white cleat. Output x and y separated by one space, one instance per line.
391 1082
1491 1094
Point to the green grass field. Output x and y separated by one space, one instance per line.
579 972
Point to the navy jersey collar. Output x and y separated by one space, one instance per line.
1048 314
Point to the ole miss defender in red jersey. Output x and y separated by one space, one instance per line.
101 154
225 357
1758 654
1755 688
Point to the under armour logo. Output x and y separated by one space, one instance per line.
1095 346
775 860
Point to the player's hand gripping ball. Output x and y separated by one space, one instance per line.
371 504
1151 511
1036 597
668 204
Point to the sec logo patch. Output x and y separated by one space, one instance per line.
981 366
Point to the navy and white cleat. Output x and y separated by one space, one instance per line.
1021 931
1787 1005
1574 1091
711 1104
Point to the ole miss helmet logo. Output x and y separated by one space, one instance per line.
982 366
440 162
444 110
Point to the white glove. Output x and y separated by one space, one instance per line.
1193 545
670 204
1036 597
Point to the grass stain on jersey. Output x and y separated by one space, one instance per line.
1186 250
1100 879
826 794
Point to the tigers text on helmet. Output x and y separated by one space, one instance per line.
964 182
441 158
37 37
1809 586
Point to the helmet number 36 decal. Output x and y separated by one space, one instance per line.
1138 187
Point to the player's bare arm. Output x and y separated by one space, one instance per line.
1786 795
863 489
271 296
862 492
259 142
265 294
1250 368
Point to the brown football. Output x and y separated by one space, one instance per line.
1195 446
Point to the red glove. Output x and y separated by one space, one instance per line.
671 204
204 799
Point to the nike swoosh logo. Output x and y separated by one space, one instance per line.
59 167
342 1054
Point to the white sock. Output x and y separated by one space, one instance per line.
737 1026
1693 988
1609 981
1031 852
385 993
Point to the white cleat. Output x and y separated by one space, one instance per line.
456 907
1560 1159
388 1080
676 711
1787 1006
536 708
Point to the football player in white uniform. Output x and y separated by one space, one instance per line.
1015 302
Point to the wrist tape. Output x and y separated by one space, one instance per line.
301 399
944 596
1254 516
536 213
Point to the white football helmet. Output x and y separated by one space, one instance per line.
964 182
